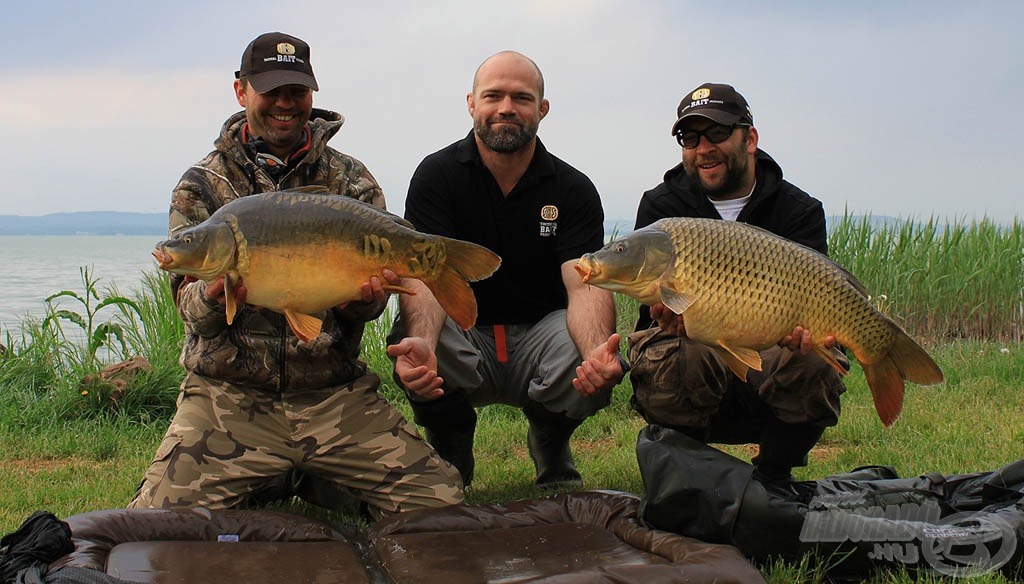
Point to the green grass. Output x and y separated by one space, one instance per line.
956 289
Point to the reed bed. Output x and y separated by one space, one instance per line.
942 281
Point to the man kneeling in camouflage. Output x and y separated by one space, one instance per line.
260 414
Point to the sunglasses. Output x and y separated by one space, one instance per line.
715 134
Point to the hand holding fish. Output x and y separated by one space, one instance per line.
601 369
800 341
667 320
416 367
215 291
374 297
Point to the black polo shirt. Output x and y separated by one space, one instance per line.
552 215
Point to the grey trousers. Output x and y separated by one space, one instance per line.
540 366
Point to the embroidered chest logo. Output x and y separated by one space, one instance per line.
548 221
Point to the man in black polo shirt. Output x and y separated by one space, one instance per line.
500 188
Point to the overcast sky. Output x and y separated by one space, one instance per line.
909 109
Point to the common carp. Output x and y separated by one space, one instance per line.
742 289
302 251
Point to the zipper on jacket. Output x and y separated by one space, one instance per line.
282 323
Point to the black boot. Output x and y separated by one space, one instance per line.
548 440
449 422
783 446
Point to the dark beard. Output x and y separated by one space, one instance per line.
732 182
506 140
736 169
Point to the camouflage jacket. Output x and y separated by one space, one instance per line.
258 349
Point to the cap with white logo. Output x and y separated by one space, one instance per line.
718 102
274 59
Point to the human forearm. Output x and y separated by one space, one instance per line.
590 316
414 355
590 319
421 315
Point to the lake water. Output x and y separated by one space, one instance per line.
36 266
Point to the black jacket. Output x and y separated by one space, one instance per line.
775 205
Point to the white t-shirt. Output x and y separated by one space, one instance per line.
730 209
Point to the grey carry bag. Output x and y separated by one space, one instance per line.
852 524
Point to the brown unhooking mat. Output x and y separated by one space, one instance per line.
588 537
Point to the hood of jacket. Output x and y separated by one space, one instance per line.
323 125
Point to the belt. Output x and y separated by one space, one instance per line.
500 343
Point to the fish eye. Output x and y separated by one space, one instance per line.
187 238
620 247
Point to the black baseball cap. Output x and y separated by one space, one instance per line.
718 102
274 59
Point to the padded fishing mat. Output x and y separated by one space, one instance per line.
586 537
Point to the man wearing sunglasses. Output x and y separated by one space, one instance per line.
682 384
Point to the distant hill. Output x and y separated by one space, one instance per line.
118 223
624 226
85 223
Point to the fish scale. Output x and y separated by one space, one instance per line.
742 289
769 294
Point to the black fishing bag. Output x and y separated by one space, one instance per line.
850 524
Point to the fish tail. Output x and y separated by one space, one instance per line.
473 262
914 363
906 360
886 384
455 296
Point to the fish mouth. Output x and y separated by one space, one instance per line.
585 269
163 258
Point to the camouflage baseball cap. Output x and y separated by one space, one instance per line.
274 59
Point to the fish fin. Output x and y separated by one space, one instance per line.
455 296
393 289
886 384
304 326
230 302
677 302
906 360
471 261
739 359
830 358
464 262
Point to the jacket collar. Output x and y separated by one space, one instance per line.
543 164
323 125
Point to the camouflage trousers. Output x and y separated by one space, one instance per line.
228 446
684 384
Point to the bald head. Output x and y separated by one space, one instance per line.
511 60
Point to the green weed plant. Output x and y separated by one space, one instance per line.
98 334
